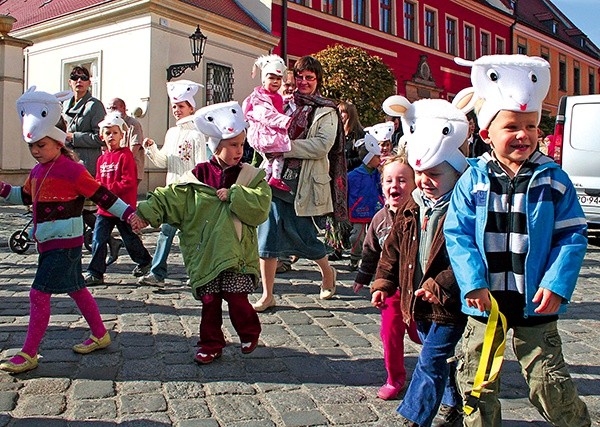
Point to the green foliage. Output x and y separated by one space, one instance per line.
350 74
547 124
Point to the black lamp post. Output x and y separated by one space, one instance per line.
197 45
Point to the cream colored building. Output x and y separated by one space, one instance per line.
128 46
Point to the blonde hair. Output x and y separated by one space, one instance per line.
401 158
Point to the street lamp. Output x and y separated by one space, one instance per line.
197 45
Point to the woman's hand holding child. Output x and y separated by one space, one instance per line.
378 299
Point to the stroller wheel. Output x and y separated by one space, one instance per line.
87 239
19 242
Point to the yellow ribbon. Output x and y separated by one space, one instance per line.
483 377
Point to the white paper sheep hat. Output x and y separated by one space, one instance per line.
434 131
39 113
372 146
183 90
269 64
505 82
220 121
113 119
381 131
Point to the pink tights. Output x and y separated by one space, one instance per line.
39 317
392 338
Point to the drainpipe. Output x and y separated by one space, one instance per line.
512 27
284 18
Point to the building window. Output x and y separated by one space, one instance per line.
469 42
576 79
522 45
219 83
302 2
591 82
92 63
451 36
410 30
385 16
545 53
554 26
485 43
562 73
500 46
430 28
359 11
330 7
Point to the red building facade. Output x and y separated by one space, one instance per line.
416 39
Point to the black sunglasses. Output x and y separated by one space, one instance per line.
76 77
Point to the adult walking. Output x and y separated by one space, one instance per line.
184 148
316 155
136 135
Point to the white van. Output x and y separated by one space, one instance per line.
577 139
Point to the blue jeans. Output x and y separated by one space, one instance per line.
163 247
433 379
102 231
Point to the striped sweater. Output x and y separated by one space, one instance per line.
57 191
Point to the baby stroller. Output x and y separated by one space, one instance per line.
20 240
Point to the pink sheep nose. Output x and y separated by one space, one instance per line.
230 129
28 134
523 107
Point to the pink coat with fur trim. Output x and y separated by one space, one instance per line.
267 131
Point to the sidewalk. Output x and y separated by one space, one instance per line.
319 363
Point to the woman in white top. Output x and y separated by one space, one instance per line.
184 147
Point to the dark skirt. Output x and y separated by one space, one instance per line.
59 271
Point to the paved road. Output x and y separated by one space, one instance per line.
319 363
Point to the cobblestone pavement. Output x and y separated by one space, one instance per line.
319 362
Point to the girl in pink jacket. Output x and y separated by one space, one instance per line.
263 109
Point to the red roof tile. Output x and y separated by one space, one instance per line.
31 12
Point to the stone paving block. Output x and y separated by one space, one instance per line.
8 400
198 423
265 365
40 405
286 401
44 386
36 422
341 414
183 390
105 409
337 395
139 403
184 409
236 408
295 318
229 388
145 420
304 418
86 389
307 330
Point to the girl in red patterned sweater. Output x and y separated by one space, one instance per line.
56 189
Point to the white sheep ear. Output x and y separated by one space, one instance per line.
31 89
396 105
64 95
465 100
358 143
463 62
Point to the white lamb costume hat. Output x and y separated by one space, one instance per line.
113 119
372 146
183 90
381 131
220 121
505 82
435 129
269 64
39 113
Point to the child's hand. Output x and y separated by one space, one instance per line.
223 194
136 222
378 299
147 142
480 299
356 287
550 302
427 296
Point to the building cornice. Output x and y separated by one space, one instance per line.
121 10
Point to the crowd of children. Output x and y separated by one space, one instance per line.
447 239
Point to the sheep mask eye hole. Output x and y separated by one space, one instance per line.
412 129
209 118
447 130
234 111
44 113
533 77
22 113
493 75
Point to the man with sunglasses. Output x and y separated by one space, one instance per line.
83 112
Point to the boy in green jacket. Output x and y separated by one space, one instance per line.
217 207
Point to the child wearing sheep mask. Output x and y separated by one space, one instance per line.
268 125
414 257
516 237
217 207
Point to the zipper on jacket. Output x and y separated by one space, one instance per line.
509 201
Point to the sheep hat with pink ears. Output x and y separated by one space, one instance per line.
183 90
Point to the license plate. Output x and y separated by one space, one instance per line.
587 200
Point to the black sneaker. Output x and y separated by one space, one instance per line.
141 270
336 256
91 280
448 416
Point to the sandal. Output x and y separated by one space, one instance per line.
283 266
330 292
16 368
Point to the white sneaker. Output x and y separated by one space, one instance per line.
151 280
